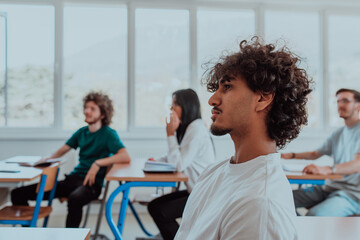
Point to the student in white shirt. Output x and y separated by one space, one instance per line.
259 99
190 148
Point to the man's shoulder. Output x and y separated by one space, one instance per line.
81 130
213 168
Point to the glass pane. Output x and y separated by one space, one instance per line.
161 62
305 42
219 32
30 65
344 59
95 59
2 68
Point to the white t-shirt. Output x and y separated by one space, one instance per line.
251 200
194 154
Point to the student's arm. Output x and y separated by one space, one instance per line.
59 153
303 155
121 156
343 168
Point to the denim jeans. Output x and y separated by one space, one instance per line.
323 203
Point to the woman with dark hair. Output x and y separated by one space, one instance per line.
190 149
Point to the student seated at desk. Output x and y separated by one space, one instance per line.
190 148
100 146
259 98
337 198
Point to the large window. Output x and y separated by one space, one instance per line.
162 62
219 32
140 52
30 87
344 59
95 59
3 62
288 27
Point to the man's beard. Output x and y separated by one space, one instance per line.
219 131
93 121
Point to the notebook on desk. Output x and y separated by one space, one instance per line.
32 161
159 167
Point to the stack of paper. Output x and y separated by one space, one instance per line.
159 167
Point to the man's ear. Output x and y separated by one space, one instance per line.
263 101
357 106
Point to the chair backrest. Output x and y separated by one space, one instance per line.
51 177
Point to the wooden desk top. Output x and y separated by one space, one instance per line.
329 228
292 175
133 172
44 233
24 174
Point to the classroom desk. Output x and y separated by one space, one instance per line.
23 174
329 228
44 233
133 176
299 178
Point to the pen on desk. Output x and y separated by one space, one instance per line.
9 171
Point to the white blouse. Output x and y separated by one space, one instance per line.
194 153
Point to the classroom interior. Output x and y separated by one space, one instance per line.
53 52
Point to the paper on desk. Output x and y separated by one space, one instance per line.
23 159
159 166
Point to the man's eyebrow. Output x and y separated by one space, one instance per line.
226 78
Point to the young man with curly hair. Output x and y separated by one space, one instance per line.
259 99
338 198
100 146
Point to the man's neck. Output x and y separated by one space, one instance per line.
349 122
252 146
93 127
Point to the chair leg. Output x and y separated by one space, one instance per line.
98 222
86 215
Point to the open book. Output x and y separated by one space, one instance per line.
159 167
33 161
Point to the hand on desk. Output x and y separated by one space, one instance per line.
90 176
314 169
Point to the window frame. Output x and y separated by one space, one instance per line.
57 132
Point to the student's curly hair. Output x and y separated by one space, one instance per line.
267 71
104 103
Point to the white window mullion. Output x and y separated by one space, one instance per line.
325 68
259 18
194 81
58 71
131 68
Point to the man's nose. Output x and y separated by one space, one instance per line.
214 100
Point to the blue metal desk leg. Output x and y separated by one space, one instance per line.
116 231
139 221
124 204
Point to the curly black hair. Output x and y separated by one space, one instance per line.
104 103
269 70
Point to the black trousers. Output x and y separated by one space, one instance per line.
71 188
165 209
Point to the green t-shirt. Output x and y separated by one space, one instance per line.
93 146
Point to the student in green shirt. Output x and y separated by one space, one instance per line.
100 146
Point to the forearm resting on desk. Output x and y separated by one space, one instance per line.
121 156
349 167
59 153
303 155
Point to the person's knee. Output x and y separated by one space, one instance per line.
318 211
75 201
